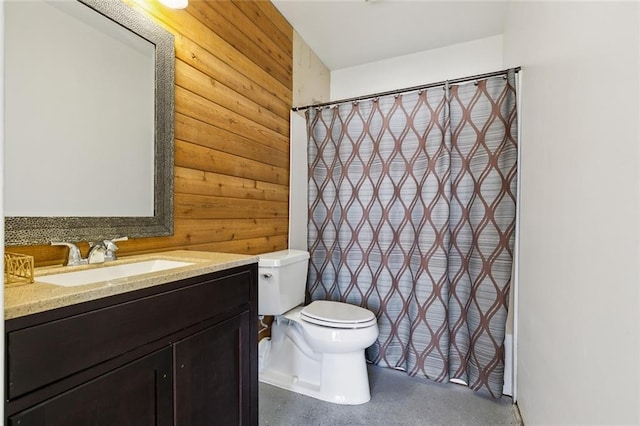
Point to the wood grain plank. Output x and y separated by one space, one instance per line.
204 231
181 22
197 157
274 15
244 246
275 98
195 106
188 206
199 182
211 89
256 36
259 19
240 42
248 246
197 132
273 191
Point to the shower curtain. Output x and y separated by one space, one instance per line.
412 215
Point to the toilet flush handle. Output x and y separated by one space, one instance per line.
267 275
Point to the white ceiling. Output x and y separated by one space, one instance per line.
345 33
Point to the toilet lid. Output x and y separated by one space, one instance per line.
337 315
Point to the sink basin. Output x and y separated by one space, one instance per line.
108 273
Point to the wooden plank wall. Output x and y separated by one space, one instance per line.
233 95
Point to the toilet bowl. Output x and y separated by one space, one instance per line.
316 350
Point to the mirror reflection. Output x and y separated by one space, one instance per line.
79 95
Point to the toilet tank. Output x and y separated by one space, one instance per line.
282 279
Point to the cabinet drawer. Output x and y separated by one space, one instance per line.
43 354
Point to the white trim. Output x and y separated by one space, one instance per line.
507 388
298 177
2 349
516 248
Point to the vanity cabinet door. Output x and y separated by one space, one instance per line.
136 394
213 375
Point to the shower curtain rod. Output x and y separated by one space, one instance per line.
409 89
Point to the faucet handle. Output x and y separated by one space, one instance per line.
111 247
75 256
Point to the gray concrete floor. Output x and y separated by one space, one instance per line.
396 399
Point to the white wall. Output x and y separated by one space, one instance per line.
430 66
579 310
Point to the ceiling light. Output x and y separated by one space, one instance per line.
175 4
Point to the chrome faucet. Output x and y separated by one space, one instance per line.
75 256
100 252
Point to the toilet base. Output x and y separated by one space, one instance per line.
337 378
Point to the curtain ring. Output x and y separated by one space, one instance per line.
475 83
375 99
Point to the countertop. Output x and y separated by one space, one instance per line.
23 298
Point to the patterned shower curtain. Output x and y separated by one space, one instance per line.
412 215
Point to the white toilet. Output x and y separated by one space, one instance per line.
316 350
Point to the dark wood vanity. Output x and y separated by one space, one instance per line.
181 353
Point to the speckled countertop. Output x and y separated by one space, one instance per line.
22 298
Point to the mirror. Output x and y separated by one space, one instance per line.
89 119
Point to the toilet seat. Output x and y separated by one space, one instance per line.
337 315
